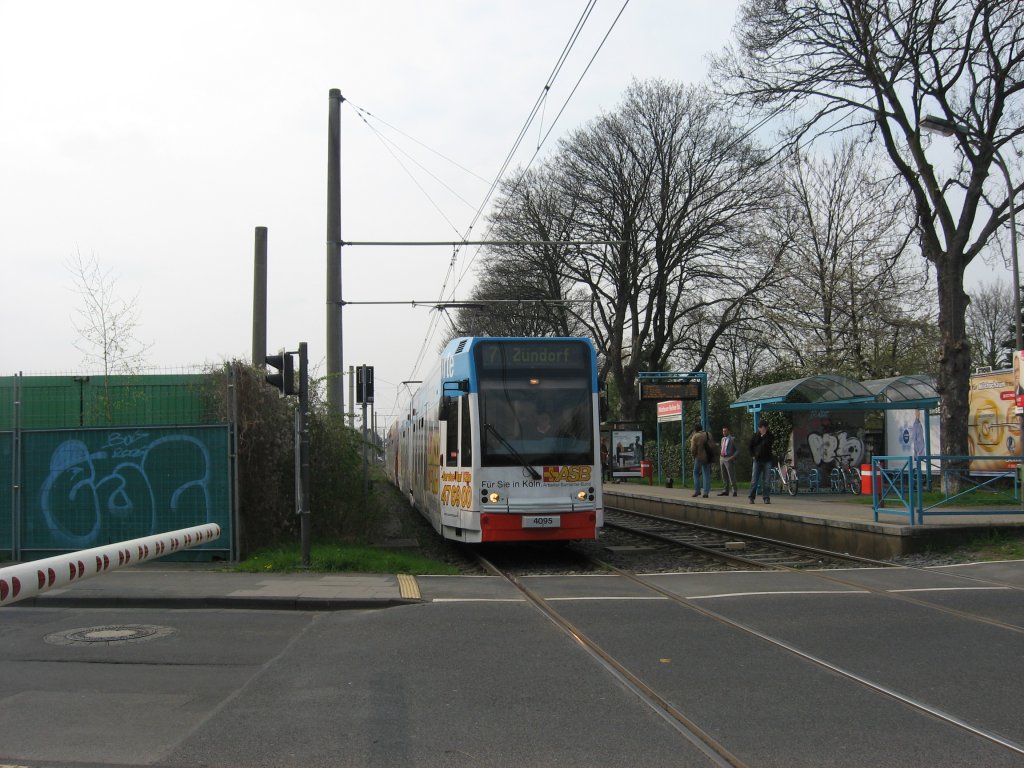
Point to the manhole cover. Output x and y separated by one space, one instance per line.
106 635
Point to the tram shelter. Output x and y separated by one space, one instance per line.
830 392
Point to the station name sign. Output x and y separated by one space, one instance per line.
682 390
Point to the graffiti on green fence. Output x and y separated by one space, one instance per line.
85 488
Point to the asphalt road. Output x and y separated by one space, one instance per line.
475 676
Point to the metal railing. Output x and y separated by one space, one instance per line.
906 486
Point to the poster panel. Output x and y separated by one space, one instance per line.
627 451
993 428
905 434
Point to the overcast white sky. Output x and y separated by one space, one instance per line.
159 136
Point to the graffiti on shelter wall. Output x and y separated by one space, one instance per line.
823 439
114 485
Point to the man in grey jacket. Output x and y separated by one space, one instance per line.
728 453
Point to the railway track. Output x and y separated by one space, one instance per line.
736 549
717 752
771 554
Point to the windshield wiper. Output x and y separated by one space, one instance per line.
533 472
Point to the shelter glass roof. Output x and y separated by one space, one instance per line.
899 389
824 388
833 391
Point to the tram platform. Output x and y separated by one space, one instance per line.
829 521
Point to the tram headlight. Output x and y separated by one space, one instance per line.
582 495
494 498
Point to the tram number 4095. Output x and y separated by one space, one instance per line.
542 521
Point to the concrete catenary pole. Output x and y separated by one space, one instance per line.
259 300
335 358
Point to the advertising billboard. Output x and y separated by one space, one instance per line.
993 428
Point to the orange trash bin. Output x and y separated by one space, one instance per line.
865 480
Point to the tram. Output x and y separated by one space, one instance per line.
500 442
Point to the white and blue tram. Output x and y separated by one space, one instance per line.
500 442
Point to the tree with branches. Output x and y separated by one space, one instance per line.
990 325
883 66
675 190
844 299
105 322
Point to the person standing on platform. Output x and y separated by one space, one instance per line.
727 456
703 450
761 453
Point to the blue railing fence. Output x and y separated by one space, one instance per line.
899 484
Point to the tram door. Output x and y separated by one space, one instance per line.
458 439
456 492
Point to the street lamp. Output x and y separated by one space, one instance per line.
948 128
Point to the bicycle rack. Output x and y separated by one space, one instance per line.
814 481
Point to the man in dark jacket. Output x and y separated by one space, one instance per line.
703 450
761 453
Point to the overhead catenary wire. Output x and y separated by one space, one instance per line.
541 141
538 108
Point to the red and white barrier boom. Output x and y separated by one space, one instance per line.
18 582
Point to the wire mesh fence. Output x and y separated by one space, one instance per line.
94 461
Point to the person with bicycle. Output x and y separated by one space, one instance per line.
761 452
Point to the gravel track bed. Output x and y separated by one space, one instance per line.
407 529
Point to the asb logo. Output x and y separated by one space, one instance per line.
579 474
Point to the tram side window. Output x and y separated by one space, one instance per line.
452 432
467 441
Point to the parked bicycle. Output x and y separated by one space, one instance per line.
846 477
785 476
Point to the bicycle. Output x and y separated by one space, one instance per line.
786 477
846 477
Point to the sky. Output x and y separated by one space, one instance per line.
156 137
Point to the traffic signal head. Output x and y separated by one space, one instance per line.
284 379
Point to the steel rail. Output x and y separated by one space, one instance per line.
814 550
755 537
909 701
717 554
826 576
693 733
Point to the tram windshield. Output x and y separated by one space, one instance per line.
536 404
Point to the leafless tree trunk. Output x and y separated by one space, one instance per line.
884 65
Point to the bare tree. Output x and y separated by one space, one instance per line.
844 300
675 186
837 65
527 282
105 322
990 325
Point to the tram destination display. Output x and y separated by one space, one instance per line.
533 355
681 390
